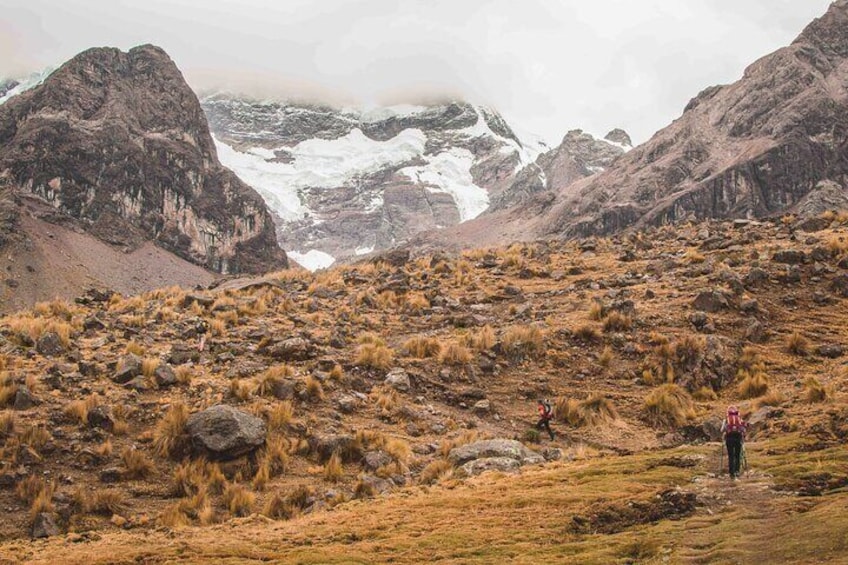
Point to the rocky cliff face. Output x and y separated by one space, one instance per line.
118 142
350 181
776 141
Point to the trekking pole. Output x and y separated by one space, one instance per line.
745 459
720 458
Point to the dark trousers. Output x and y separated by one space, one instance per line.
545 424
733 440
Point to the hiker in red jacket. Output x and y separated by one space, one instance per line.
733 430
546 414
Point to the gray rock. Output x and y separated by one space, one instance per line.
375 459
839 285
756 276
482 407
498 448
398 380
128 368
24 399
223 432
346 446
101 417
164 376
44 526
790 257
831 350
756 332
478 466
348 404
49 344
292 349
711 301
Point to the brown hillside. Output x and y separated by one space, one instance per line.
641 341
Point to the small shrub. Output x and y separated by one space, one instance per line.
134 348
169 437
669 405
77 410
705 394
241 390
374 356
149 366
523 341
481 340
184 374
814 391
280 415
591 411
421 347
7 423
269 379
333 468
105 502
797 344
312 387
415 302
337 373
436 471
138 465
617 322
31 488
43 502
387 400
455 354
752 385
606 357
688 350
587 333
238 500
596 311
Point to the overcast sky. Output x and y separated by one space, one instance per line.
547 65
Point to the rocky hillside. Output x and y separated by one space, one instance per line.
774 142
116 145
290 418
347 182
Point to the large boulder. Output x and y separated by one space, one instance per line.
477 466
711 301
128 368
494 448
223 432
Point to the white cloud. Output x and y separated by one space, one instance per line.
548 65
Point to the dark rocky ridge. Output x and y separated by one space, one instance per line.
756 148
118 142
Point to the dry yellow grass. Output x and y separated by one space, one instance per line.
752 385
669 405
421 347
137 465
455 354
521 342
615 321
333 468
797 344
169 434
374 356
591 411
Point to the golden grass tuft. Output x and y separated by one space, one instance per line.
705 394
270 378
374 356
596 311
169 437
242 390
336 373
455 354
238 500
313 388
7 423
137 464
421 347
280 415
615 321
752 384
669 405
134 347
149 366
520 342
591 411
415 302
587 333
606 357
435 471
77 410
797 344
814 391
333 468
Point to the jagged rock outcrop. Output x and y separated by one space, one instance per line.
580 155
118 142
760 147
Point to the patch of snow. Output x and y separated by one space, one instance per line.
596 170
380 113
621 146
526 152
27 83
450 172
312 260
364 250
318 163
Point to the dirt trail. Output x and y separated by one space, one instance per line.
735 517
